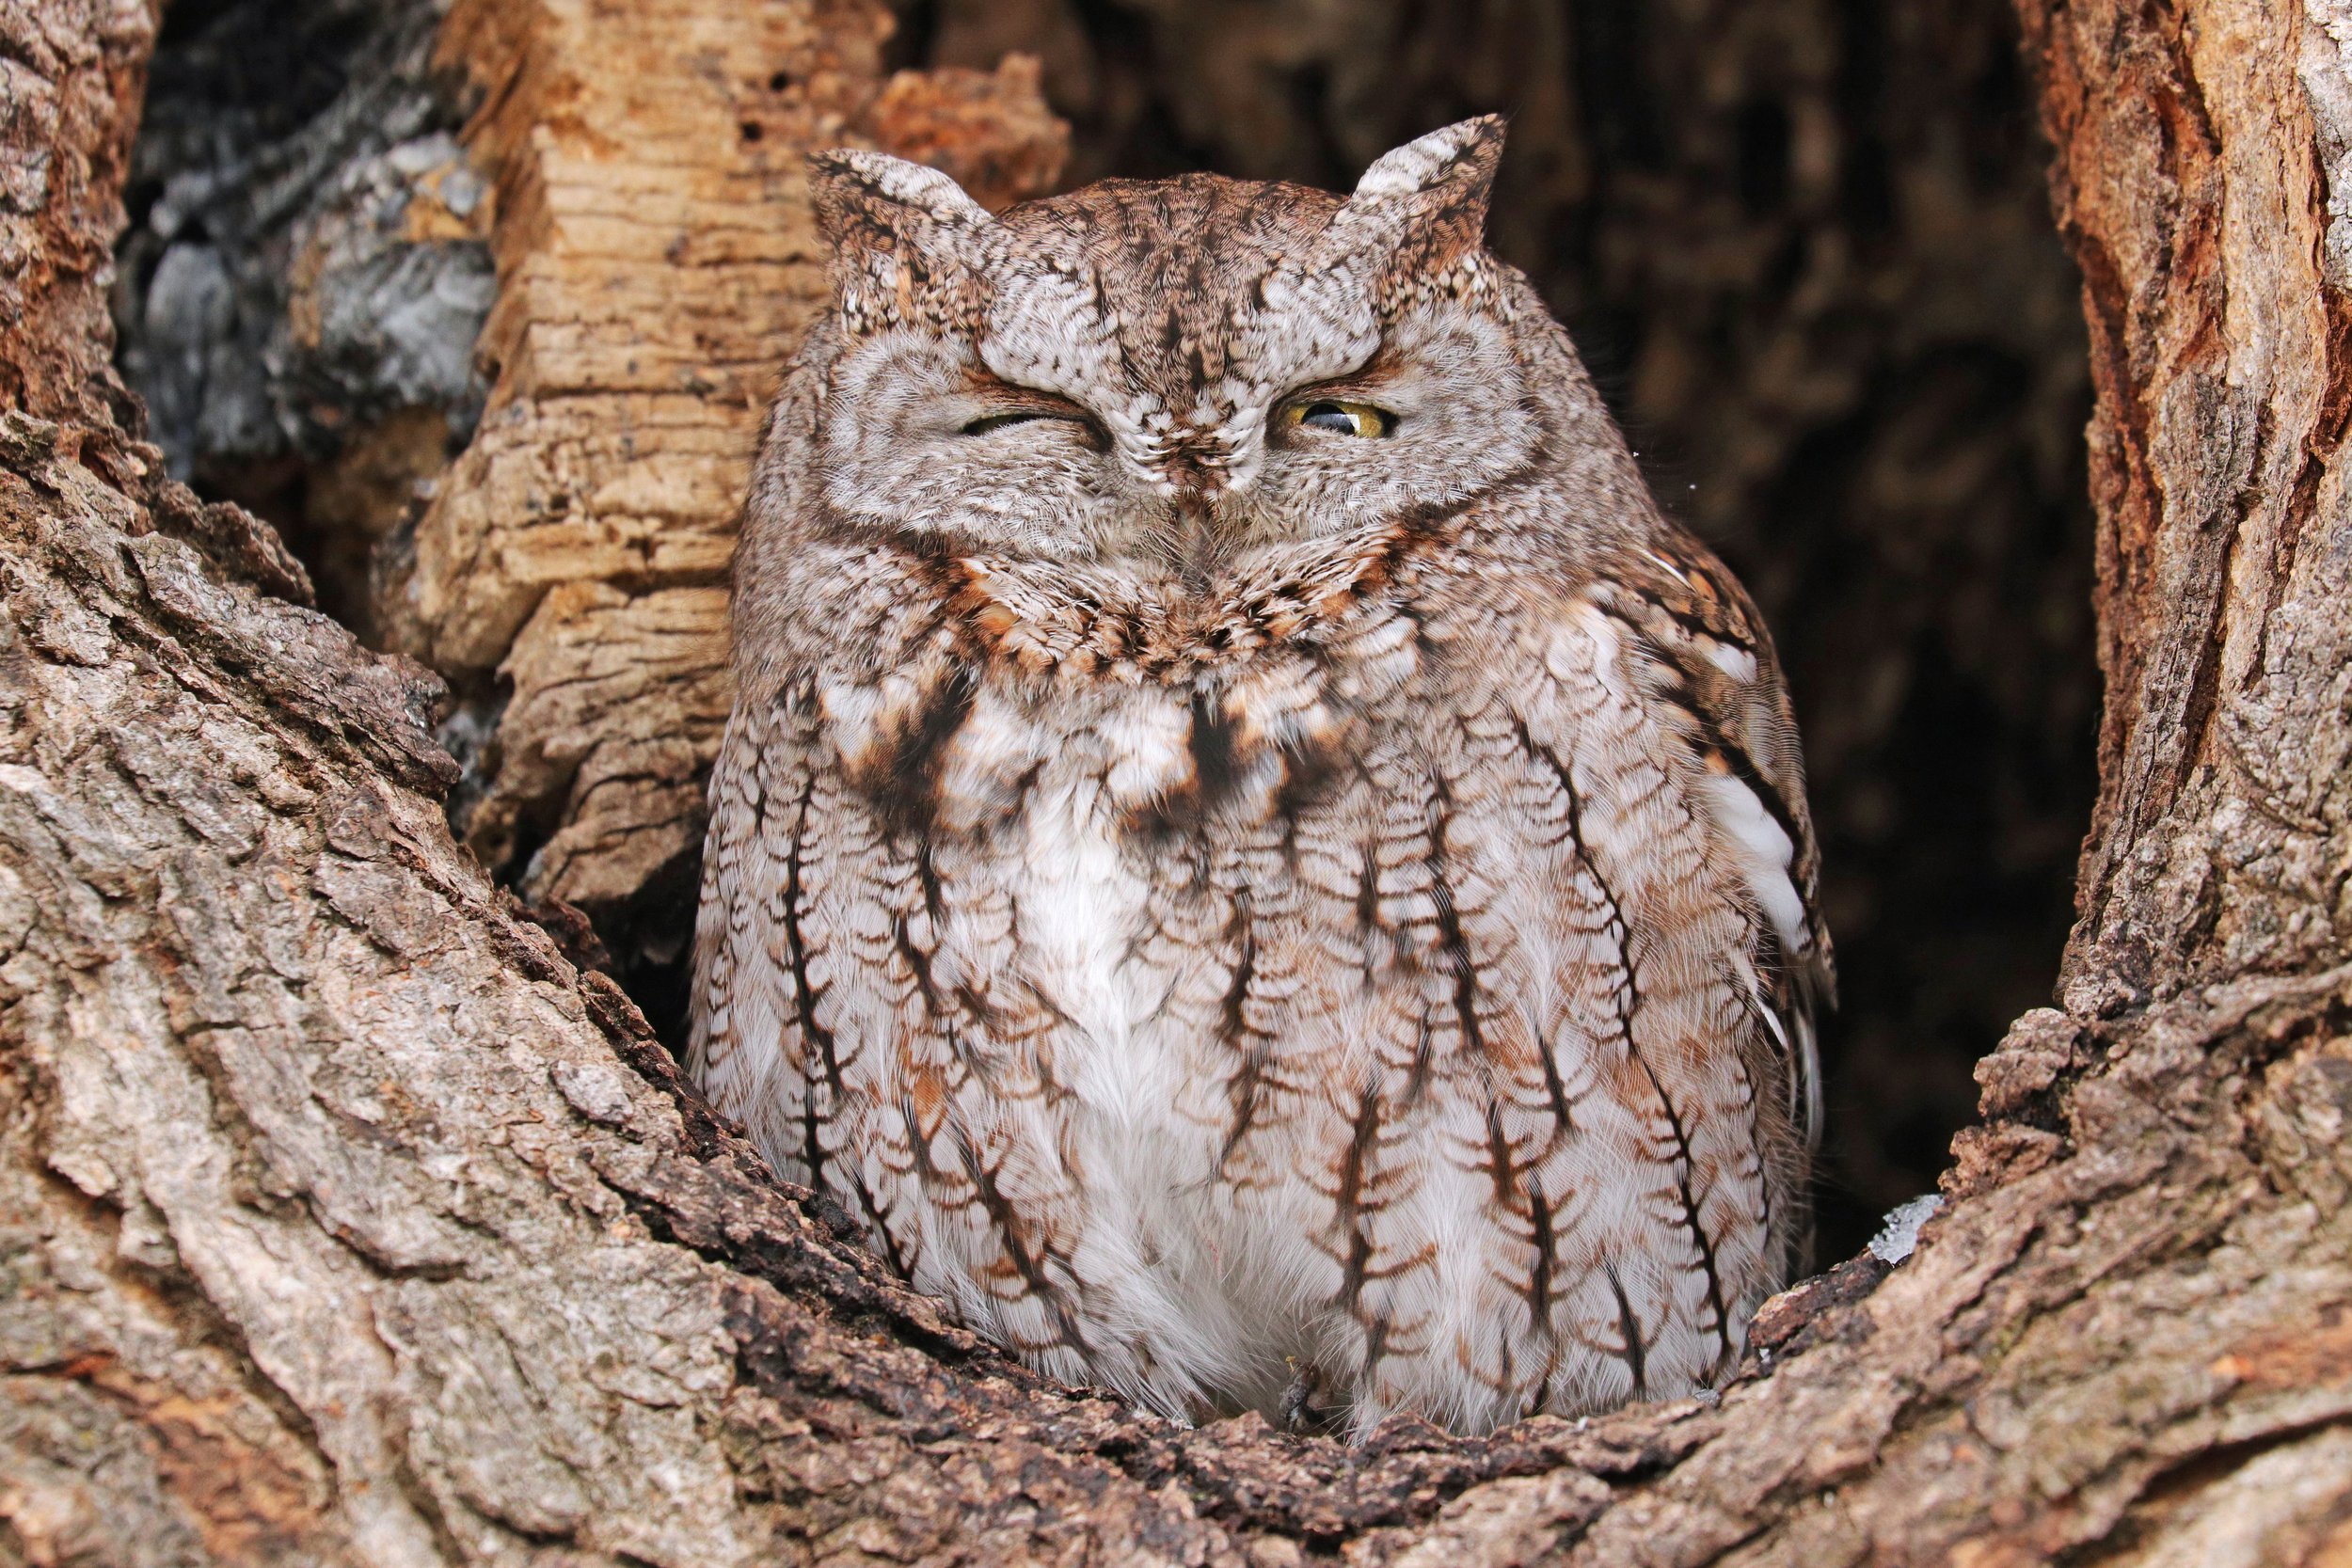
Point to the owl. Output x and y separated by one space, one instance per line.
1248 856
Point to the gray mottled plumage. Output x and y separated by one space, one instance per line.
1245 909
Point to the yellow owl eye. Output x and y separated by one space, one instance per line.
1339 417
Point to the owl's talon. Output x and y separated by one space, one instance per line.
1305 1383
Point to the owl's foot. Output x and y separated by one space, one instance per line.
1297 1406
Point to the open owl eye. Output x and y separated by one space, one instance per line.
1340 417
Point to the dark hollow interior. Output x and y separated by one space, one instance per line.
1804 244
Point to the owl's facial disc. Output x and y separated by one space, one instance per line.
919 439
1124 371
1433 417
923 435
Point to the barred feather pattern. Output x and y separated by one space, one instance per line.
1365 962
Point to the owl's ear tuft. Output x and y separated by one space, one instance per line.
903 239
1428 198
1455 165
861 194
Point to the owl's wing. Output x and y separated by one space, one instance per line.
744 1045
1711 661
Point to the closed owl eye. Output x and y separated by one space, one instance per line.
1035 408
989 423
1338 417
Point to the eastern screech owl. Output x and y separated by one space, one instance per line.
1248 855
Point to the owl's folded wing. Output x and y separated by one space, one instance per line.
1706 663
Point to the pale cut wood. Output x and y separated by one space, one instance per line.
656 265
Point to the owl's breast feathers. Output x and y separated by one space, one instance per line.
1261 679
1399 961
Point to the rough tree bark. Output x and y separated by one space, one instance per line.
344 1218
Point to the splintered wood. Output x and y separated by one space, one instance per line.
657 265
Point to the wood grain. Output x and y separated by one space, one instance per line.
657 265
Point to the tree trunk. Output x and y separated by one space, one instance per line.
344 1218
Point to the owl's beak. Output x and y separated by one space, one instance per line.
1196 548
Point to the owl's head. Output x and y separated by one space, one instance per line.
1168 372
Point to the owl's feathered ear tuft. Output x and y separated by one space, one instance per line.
1455 165
860 193
899 233
1427 199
